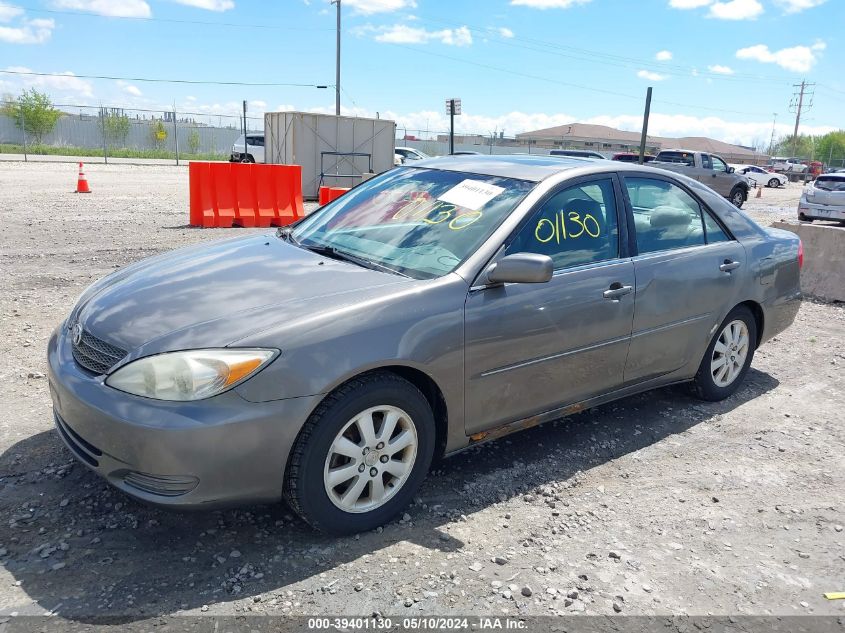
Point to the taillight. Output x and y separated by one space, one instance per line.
800 254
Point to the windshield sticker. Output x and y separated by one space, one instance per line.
471 194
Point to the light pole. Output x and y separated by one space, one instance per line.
337 64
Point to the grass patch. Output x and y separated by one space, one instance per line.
114 152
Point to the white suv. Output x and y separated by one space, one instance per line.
254 149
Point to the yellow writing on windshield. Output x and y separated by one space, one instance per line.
565 226
437 212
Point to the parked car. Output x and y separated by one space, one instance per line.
823 199
707 169
791 165
631 157
409 153
254 149
576 153
761 176
430 308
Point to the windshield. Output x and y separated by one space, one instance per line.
419 222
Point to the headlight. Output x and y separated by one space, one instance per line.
192 375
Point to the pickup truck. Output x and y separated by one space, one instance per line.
708 169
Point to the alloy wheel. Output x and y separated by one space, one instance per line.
729 353
370 459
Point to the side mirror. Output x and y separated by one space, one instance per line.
731 170
521 268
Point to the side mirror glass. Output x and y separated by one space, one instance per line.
521 268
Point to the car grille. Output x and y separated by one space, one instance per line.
84 450
96 355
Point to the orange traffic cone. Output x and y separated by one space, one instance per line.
82 182
759 191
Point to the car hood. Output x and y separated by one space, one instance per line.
214 294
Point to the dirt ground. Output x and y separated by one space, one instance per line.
657 504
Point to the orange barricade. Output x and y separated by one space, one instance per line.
327 194
245 194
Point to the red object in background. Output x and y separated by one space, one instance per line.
815 167
244 194
82 182
327 194
800 254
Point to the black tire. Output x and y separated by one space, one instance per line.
248 159
304 487
738 197
703 385
774 183
804 218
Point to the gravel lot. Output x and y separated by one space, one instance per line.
656 504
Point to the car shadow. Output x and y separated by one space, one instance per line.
84 550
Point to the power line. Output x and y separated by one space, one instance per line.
572 85
140 18
166 81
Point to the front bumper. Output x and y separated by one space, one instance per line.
820 211
215 452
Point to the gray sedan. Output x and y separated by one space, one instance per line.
431 308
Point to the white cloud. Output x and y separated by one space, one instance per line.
368 7
404 34
209 5
796 6
721 70
647 74
8 11
35 31
66 82
736 10
548 4
505 32
135 91
109 8
689 4
796 58
663 56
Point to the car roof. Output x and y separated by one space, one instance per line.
520 166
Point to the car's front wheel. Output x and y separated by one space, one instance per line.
362 454
728 356
774 183
738 197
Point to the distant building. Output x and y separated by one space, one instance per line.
609 141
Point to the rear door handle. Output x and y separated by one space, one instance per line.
728 266
617 290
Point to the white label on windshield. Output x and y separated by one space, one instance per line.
471 194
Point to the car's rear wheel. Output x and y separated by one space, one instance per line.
248 159
728 356
737 197
362 454
774 182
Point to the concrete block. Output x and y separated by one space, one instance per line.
823 274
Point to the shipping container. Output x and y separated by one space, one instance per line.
334 151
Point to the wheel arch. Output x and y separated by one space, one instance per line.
759 318
427 386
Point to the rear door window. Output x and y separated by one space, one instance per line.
665 216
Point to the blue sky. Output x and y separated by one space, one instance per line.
718 67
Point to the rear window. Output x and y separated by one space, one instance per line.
830 183
683 158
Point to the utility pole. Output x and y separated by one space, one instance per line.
645 125
772 139
337 64
802 91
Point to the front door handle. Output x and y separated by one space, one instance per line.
728 265
617 290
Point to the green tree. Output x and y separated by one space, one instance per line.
830 148
194 141
802 147
158 132
116 127
34 112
